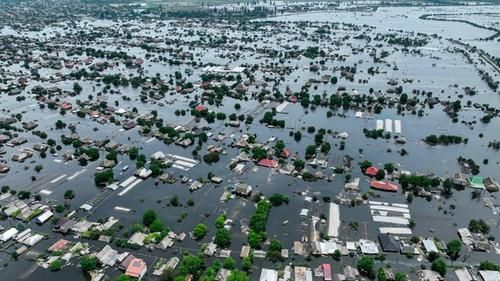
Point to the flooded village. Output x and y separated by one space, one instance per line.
233 141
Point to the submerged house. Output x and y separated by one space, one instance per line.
491 185
476 182
384 185
268 163
388 243
136 269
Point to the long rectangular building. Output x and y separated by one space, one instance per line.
333 220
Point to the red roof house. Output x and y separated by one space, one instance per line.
59 245
327 272
66 106
292 99
268 163
371 171
285 153
200 107
385 186
136 269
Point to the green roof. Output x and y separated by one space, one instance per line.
476 182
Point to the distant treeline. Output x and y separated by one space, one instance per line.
436 18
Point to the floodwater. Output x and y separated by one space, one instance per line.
428 73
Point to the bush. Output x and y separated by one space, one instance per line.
487 265
55 265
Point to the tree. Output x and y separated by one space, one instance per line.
105 177
278 199
439 266
389 167
88 263
310 151
274 251
479 226
432 256
222 238
365 266
403 98
400 276
254 239
237 275
487 265
157 226
380 174
149 217
454 248
38 168
336 255
123 277
325 147
60 124
299 164
220 221
229 263
191 264
365 165
174 201
279 146
77 88
381 276
69 194
297 136
211 157
246 264
259 153
199 231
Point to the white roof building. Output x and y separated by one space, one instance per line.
8 234
41 219
430 246
107 256
268 275
333 220
368 247
489 275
